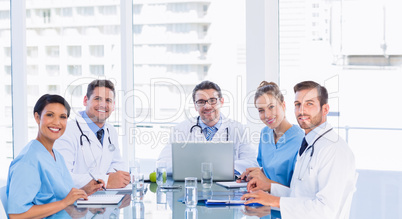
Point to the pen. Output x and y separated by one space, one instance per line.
103 187
115 169
242 180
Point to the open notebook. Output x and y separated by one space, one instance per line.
101 200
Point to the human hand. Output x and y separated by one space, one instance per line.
256 173
93 186
126 201
245 175
259 184
96 211
73 195
261 197
118 179
257 211
75 212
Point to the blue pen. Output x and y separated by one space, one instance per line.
99 182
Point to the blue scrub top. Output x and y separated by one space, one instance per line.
36 178
278 160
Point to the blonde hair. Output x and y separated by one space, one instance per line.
270 88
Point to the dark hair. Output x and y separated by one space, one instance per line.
207 85
268 88
46 99
99 83
308 85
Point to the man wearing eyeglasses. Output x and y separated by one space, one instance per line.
325 176
211 125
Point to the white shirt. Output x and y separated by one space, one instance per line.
245 155
320 187
80 159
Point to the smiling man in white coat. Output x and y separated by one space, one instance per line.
90 144
325 175
211 125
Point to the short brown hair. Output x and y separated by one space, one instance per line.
268 88
205 85
308 85
99 83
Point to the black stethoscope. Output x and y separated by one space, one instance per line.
198 125
311 155
111 146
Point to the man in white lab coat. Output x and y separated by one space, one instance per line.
90 144
211 125
325 175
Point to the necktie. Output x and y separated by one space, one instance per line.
99 135
210 133
303 146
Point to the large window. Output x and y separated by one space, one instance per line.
176 46
6 136
358 58
67 47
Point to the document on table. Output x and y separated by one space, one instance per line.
230 198
224 202
101 200
232 184
234 199
128 188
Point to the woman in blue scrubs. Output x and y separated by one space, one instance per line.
279 140
39 183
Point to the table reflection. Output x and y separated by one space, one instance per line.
153 202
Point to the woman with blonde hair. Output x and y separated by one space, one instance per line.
279 140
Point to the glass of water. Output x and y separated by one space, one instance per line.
191 194
206 175
160 173
138 187
134 169
138 209
191 213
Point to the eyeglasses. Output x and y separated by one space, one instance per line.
211 101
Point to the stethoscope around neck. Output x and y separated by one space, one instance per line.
111 146
198 126
311 155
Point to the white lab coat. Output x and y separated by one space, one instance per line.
69 146
245 155
326 183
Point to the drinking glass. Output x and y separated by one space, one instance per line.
138 209
134 169
138 187
191 213
206 175
191 194
160 173
161 200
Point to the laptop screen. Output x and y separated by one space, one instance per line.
188 156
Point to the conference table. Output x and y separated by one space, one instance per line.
166 203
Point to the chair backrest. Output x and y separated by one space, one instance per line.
345 212
3 203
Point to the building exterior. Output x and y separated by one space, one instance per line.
177 44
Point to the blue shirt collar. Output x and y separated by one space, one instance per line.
217 125
90 123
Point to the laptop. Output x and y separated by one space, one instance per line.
187 159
